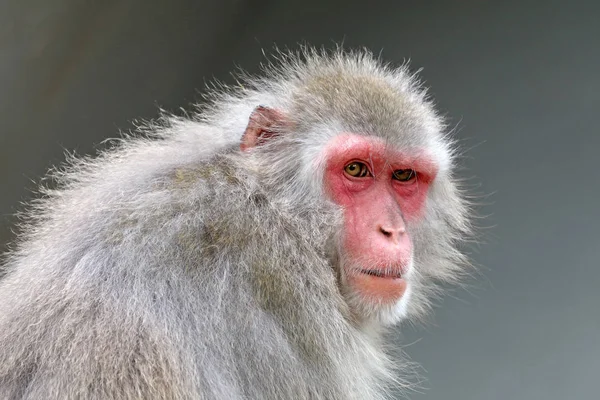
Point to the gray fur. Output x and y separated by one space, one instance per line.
173 266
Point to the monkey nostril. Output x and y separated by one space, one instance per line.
392 233
386 232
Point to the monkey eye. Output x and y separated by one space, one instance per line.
357 169
404 175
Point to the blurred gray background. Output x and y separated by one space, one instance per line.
519 79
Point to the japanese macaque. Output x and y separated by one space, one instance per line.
258 249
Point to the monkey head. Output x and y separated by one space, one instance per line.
374 148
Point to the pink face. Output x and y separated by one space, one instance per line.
380 190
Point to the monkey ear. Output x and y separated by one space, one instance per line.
264 123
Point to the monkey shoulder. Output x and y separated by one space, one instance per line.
182 212
139 202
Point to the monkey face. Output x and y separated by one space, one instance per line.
381 191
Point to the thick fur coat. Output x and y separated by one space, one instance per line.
175 266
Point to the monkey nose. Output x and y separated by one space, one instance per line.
392 233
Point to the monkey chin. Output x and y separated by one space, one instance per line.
379 299
384 289
396 312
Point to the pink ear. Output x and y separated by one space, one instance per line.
264 122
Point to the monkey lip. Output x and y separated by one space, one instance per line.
382 274
380 286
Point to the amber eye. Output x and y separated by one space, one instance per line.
404 175
357 170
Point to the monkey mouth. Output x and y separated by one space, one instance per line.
382 274
380 285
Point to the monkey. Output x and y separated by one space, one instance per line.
260 247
